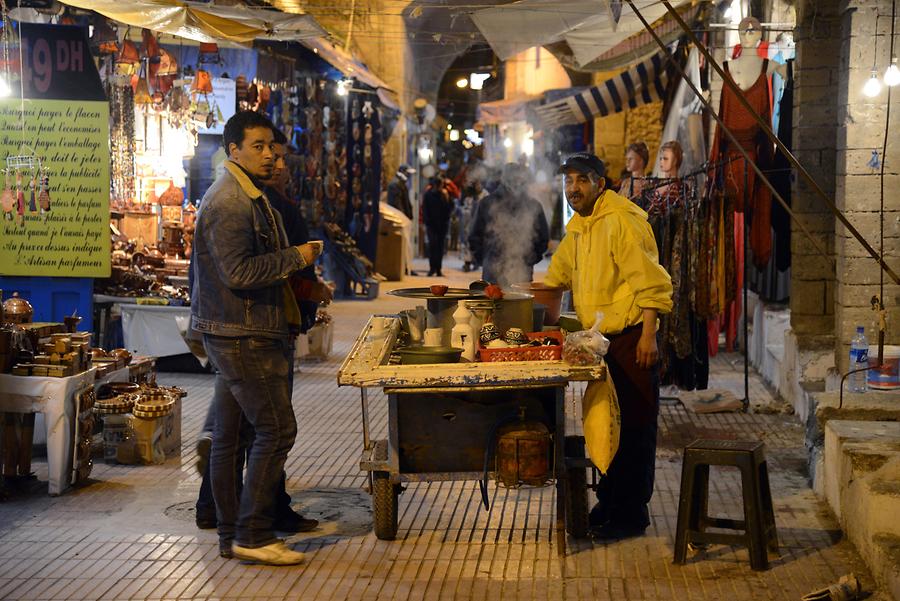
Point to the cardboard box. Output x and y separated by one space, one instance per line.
131 440
159 438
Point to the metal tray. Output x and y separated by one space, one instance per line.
451 294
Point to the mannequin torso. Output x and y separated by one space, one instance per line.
745 69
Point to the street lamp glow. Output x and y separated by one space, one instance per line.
462 82
892 75
528 146
873 86
476 80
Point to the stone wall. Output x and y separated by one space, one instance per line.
860 131
818 37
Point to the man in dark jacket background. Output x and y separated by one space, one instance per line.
436 208
510 234
398 191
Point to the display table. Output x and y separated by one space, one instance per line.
152 329
54 398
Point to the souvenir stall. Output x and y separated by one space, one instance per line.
160 106
336 172
58 389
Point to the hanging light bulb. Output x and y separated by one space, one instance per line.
873 86
892 75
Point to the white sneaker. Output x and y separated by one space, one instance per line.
276 554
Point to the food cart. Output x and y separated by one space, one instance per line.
443 420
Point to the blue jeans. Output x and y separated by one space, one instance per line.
256 372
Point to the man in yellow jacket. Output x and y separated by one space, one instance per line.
610 261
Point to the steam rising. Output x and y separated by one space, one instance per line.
510 229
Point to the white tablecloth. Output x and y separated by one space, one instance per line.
54 398
151 330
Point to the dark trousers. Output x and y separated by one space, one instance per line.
624 493
253 383
436 240
206 504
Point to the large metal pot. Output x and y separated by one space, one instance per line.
514 310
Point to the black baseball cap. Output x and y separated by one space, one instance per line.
583 162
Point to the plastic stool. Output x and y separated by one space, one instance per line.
759 516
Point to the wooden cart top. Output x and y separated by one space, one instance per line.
366 365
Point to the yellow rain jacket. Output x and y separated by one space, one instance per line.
610 261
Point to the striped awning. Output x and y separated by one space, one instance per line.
642 84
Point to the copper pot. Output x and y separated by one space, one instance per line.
17 310
524 454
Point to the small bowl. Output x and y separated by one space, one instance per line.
419 355
439 289
489 332
515 336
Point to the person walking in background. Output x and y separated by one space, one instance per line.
472 197
509 235
436 208
398 191
245 311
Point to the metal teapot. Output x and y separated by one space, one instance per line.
17 310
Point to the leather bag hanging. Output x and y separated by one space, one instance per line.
202 82
128 57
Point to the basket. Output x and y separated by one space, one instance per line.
526 353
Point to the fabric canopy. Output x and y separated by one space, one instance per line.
642 84
350 67
206 22
590 27
504 111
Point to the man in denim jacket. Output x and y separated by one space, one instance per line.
245 311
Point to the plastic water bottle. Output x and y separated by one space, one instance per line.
859 358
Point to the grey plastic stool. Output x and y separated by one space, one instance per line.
759 516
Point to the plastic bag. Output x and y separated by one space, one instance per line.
586 347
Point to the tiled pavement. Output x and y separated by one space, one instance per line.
130 534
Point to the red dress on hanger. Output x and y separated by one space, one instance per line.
760 149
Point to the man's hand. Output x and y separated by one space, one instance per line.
309 252
321 293
647 351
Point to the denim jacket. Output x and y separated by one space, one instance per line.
241 263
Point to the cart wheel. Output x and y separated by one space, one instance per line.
576 491
384 503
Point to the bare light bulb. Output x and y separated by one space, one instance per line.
873 86
892 75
